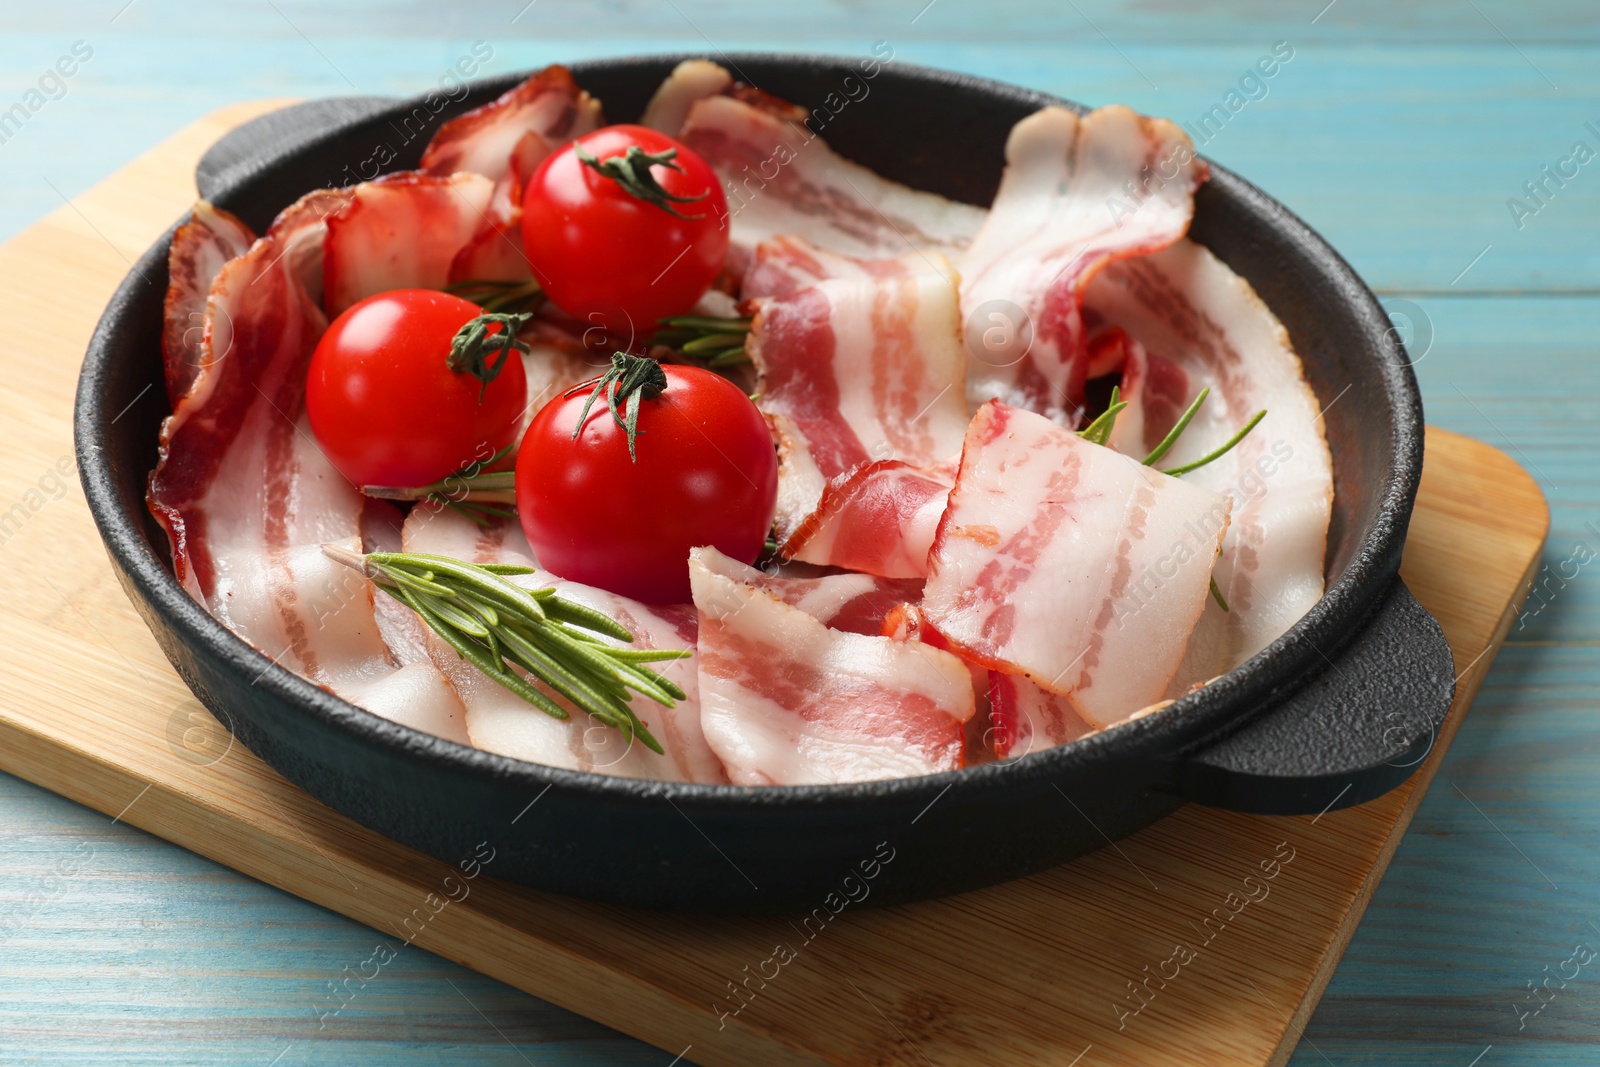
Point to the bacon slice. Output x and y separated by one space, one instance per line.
780 178
854 603
787 701
527 122
690 81
1156 390
1023 718
1077 193
1070 564
200 247
1185 303
247 498
858 369
786 264
402 231
500 721
878 517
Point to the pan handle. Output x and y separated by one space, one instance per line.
1349 734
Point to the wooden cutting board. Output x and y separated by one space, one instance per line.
1109 960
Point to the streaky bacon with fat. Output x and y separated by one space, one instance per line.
247 498
784 700
1209 324
780 178
859 369
401 231
1063 561
878 517
1077 193
786 264
200 247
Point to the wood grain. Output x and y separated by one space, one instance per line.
1034 971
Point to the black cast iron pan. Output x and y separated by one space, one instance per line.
1336 712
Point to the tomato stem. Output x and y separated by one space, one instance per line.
631 172
475 345
630 380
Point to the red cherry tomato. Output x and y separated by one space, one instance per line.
610 258
386 407
706 474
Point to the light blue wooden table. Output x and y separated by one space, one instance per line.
1398 130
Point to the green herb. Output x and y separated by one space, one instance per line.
496 625
718 342
1216 594
630 380
474 347
1099 432
631 171
481 495
498 296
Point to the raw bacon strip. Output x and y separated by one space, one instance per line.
200 247
549 106
1077 193
302 228
248 499
1187 304
1024 718
787 701
786 264
500 721
1156 390
878 517
399 232
1071 564
780 178
855 603
690 81
859 369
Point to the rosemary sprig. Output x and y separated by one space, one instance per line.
482 495
498 296
719 342
1224 449
1099 431
496 625
1216 594
474 347
631 380
631 171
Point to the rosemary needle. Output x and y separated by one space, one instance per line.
496 625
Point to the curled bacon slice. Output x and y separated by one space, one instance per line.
878 517
859 369
1186 304
786 264
1077 193
549 106
690 81
1066 562
1023 718
500 721
787 701
247 498
200 247
780 178
399 232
